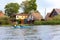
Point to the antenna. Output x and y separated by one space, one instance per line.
45 12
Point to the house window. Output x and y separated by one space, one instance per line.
17 16
20 16
55 14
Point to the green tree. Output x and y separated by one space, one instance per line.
11 8
28 6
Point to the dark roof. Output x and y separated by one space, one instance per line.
57 10
47 16
22 14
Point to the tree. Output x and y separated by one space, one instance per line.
11 8
28 6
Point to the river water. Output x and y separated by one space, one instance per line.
42 32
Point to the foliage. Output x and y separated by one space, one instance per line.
28 6
52 22
56 17
19 21
55 21
11 8
4 20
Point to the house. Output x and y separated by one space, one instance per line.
35 16
22 17
52 14
25 18
1 14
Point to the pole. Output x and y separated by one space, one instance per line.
45 12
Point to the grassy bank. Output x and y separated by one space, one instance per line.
47 22
52 22
5 25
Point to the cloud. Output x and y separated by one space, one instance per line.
48 4
56 3
42 4
4 2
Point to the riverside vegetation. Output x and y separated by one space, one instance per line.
55 21
5 20
11 9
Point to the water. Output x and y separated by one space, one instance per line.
42 32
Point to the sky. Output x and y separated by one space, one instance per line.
43 6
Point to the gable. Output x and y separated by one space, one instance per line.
53 13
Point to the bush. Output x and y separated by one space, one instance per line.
55 21
52 22
5 21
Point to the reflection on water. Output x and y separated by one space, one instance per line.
43 32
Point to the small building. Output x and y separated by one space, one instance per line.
2 14
22 17
35 16
52 14
28 18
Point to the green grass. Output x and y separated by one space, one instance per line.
6 25
53 22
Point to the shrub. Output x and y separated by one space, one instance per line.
52 22
5 20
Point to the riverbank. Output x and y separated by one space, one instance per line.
38 23
47 22
5 25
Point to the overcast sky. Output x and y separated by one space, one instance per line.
42 4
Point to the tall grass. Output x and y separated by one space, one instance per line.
53 22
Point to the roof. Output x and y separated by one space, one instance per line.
47 16
57 10
37 15
50 13
22 14
1 14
